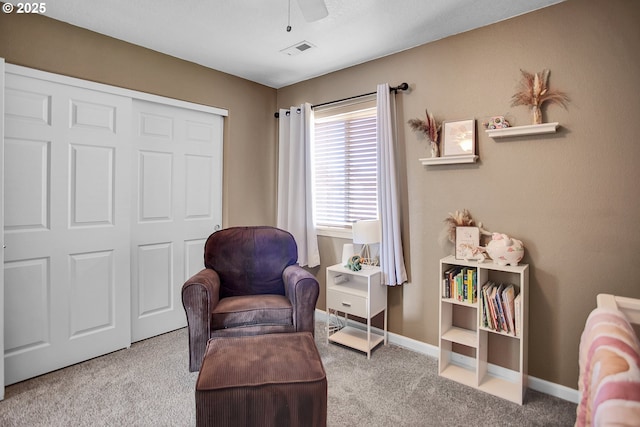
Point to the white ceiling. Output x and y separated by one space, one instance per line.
245 37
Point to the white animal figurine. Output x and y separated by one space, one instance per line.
505 250
470 252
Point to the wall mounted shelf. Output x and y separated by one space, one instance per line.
449 160
523 130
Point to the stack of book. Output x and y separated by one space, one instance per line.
500 308
461 284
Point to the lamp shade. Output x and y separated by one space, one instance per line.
366 231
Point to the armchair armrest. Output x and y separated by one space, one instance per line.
200 295
302 289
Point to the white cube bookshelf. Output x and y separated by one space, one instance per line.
461 324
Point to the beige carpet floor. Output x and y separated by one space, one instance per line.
149 385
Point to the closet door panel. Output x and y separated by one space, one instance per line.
92 288
92 189
155 273
155 189
26 195
178 174
68 199
26 319
199 189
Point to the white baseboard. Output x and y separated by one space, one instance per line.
536 384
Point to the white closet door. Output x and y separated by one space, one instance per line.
67 171
177 205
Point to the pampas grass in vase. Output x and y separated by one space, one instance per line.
534 92
430 128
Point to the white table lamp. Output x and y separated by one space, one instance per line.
366 232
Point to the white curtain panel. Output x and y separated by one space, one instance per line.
295 196
391 255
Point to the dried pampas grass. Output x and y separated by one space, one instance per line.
461 219
429 126
534 91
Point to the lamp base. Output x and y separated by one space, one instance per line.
365 256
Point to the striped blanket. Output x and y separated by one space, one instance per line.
609 381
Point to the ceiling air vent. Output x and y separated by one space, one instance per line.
297 48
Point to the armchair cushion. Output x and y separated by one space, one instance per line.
235 312
250 260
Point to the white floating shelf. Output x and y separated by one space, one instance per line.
449 160
523 130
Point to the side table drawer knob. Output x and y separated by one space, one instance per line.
346 304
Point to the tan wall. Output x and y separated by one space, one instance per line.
249 143
572 197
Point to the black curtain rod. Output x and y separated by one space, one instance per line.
401 86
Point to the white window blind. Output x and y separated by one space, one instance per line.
345 166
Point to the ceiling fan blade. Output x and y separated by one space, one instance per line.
313 10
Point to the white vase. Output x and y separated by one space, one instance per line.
537 115
434 149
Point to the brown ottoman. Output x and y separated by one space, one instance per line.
264 380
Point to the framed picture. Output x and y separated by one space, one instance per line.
467 239
459 138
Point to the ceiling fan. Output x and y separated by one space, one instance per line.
313 10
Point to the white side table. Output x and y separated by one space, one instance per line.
357 293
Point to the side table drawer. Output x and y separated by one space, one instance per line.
346 302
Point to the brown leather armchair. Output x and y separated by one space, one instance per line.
251 285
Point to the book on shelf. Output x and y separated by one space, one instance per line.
487 320
460 284
517 305
446 293
471 286
491 295
508 295
502 323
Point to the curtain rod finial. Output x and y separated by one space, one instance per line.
401 86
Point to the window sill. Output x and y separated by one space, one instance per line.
342 233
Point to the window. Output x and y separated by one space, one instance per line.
345 165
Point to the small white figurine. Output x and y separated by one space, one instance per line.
471 252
